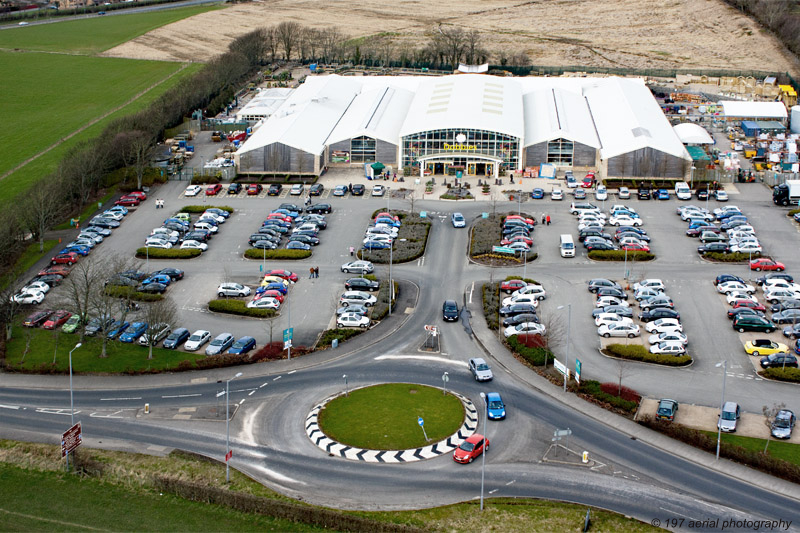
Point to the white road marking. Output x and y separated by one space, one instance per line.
276 378
9 406
181 396
117 399
493 491
262 385
251 393
511 482
49 411
423 358
276 475
292 372
471 290
241 402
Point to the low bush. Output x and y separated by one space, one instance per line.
162 253
381 307
597 391
736 257
699 439
281 254
269 352
342 334
637 352
412 237
130 293
203 179
619 255
615 389
491 304
782 374
535 355
792 212
203 208
238 307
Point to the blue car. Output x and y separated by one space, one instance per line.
243 345
496 410
80 250
280 287
700 224
277 222
625 212
376 245
797 217
663 194
176 338
117 328
178 221
158 278
133 332
118 209
537 193
292 214
218 211
387 220
297 245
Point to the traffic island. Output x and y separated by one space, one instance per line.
484 245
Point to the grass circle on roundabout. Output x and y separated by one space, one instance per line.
384 417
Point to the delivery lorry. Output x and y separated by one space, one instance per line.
787 193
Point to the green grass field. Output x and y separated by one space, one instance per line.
384 417
777 448
94 34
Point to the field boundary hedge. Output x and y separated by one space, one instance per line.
619 255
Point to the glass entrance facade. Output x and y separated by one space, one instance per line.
559 152
461 147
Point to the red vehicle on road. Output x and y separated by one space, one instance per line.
766 264
471 449
213 190
64 259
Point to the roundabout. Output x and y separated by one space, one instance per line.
367 421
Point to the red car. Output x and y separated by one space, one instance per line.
588 181
748 303
518 238
61 270
512 285
138 194
766 264
65 259
635 247
57 319
213 190
519 217
285 274
270 294
254 188
471 448
128 201
280 216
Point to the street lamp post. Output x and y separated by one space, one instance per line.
569 326
519 202
483 455
228 453
346 392
724 365
71 405
692 177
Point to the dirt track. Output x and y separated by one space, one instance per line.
611 33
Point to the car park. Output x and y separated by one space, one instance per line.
472 448
782 424
480 370
779 360
352 320
221 342
667 409
242 346
728 417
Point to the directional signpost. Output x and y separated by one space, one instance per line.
70 440
503 250
287 340
421 423
578 371
445 379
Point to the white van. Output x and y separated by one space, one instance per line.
682 191
567 246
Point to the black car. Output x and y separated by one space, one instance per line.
667 409
306 232
274 189
702 194
450 311
361 284
595 284
121 281
173 273
643 193
137 275
622 234
722 278
718 247
775 275
174 226
779 360
197 235
752 323
358 190
291 207
733 313
658 312
316 189
264 245
520 319
319 208
308 239
263 237
787 316
50 279
234 188
620 310
176 338
786 304
515 230
600 246
271 224
153 288
616 292
593 233
266 230
628 229
98 324
104 223
516 309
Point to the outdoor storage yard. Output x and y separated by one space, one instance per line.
697 34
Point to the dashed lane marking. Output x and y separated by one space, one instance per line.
181 396
276 378
118 399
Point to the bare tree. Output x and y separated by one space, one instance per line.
271 41
287 34
449 44
253 45
623 369
331 43
41 207
158 315
136 149
769 417
474 54
8 307
770 12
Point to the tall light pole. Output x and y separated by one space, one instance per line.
71 405
228 453
346 392
483 455
692 177
724 365
569 326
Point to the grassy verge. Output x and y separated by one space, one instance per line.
736 257
778 449
29 258
167 253
384 417
487 233
89 210
782 374
412 237
279 254
491 304
340 334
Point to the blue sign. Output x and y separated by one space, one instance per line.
502 250
423 214
287 334
420 421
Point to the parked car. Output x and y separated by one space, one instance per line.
668 336
157 332
624 193
65 259
222 342
352 320
596 284
667 409
525 328
319 208
619 329
133 332
358 267
728 417
254 189
480 370
234 188
779 360
357 297
766 264
243 345
213 190
658 312
758 347
361 284
274 189
36 319
316 189
72 324
668 348
516 309
752 323
297 189
783 424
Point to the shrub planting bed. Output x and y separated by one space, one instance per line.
619 255
381 307
736 257
412 237
238 307
782 374
637 352
342 334
611 394
280 254
487 233
162 253
532 348
491 304
130 293
204 208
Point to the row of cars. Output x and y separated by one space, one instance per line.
270 293
153 283
301 230
356 301
725 230
516 232
382 232
592 233
519 310
613 314
178 230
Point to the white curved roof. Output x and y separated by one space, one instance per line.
691 133
376 112
466 101
733 108
555 113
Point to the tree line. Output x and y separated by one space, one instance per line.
782 17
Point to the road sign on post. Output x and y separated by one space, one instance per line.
228 455
421 423
287 338
578 371
71 439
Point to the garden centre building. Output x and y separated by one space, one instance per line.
478 125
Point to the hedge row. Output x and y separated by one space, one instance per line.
491 304
170 253
130 293
535 355
204 179
412 237
792 212
619 255
342 334
704 441
281 254
238 307
637 352
595 390
736 257
782 374
204 208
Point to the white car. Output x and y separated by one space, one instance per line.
646 292
36 286
352 320
378 237
88 235
383 229
164 232
297 189
526 328
521 299
115 215
194 245
158 243
721 196
201 224
357 298
585 219
193 190
740 295
662 325
213 216
28 297
601 193
778 283
518 247
726 209
620 329
198 338
653 283
668 347
624 193
458 220
631 241
610 318
625 220
744 228
536 290
556 194
603 301
264 303
668 336
233 289
729 286
747 248
358 267
623 207
378 190
590 224
778 295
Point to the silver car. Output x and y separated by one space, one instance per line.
480 370
233 289
222 342
727 419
